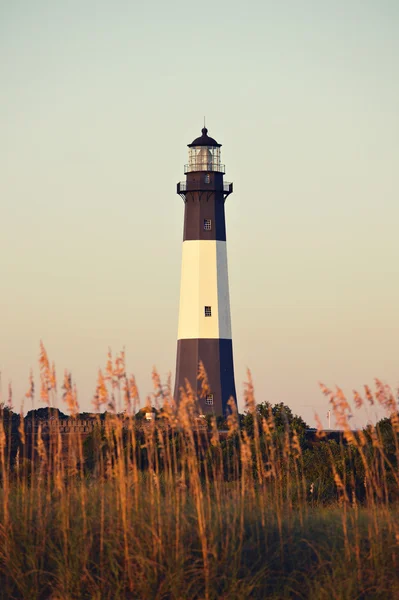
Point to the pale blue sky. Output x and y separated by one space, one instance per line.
98 102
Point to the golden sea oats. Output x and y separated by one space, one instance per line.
126 396
380 391
391 403
31 391
340 408
287 445
43 358
67 387
341 399
324 389
75 403
395 421
296 446
70 394
374 437
266 429
270 420
96 403
102 388
45 374
3 473
270 469
245 450
109 371
111 406
58 472
169 404
320 433
181 483
358 400
148 406
362 438
186 407
385 397
232 418
215 433
168 385
2 438
101 394
120 367
169 411
338 481
156 382
53 377
17 461
249 393
203 378
350 436
369 394
44 390
40 445
21 426
133 392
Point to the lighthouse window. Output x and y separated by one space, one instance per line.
207 179
207 224
208 311
209 399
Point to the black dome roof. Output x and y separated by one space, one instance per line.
204 140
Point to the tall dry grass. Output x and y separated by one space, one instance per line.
168 509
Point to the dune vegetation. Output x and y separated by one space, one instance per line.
182 507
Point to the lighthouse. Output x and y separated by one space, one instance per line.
204 330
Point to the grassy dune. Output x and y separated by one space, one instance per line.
168 510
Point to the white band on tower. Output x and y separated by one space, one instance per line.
204 283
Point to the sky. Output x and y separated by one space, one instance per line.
98 102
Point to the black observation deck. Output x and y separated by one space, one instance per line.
184 187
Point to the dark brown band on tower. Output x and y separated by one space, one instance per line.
217 357
204 217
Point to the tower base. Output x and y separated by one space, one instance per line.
217 358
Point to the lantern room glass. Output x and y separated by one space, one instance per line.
204 158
